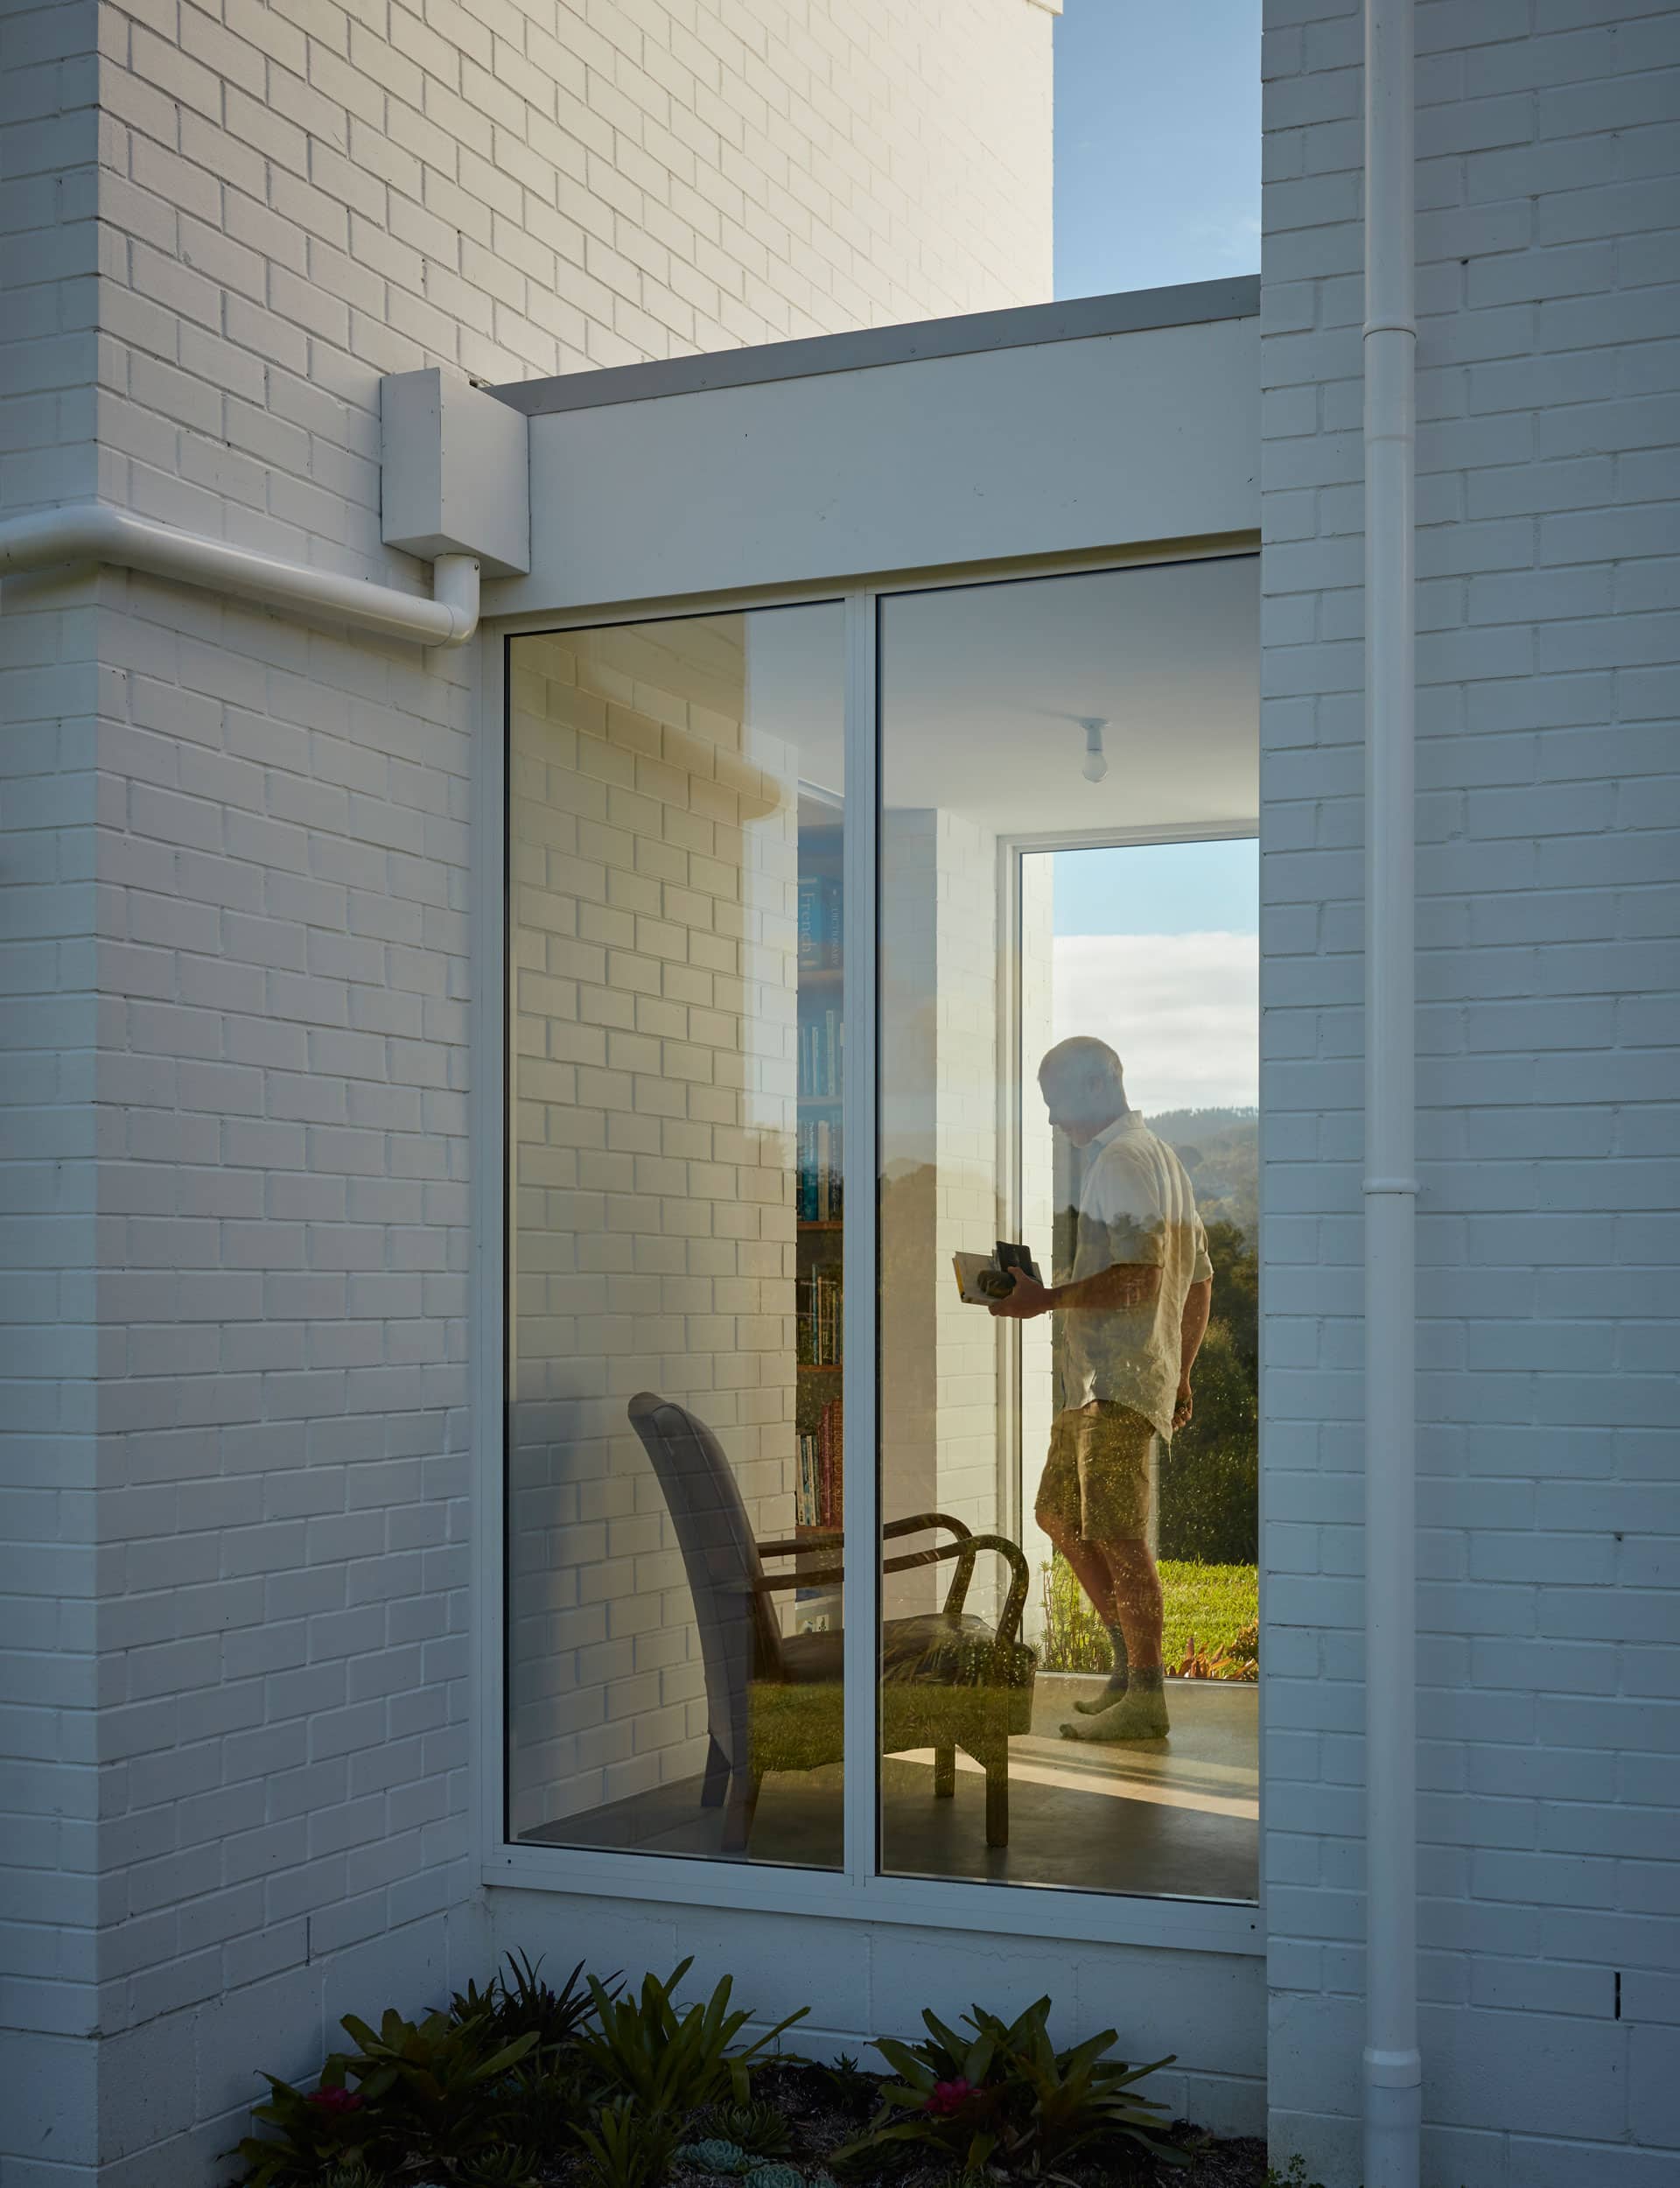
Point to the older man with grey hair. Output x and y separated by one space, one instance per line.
1137 1306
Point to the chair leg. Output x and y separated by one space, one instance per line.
998 1801
944 1772
717 1780
737 1816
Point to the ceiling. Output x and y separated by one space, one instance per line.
982 686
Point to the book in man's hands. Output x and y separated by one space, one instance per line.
982 1279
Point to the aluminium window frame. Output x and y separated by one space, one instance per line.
857 1891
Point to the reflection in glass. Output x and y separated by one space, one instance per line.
674 1235
1068 1076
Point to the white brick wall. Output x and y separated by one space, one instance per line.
50 690
1547 196
246 851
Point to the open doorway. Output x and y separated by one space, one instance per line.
1152 949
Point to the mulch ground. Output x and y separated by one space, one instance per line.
824 2108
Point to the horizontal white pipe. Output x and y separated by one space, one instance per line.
1393 2067
92 531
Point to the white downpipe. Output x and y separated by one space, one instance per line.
92 531
1393 2069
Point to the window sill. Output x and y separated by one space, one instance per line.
1015 1911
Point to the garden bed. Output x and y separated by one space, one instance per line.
600 2085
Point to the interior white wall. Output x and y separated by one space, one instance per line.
942 1440
1038 1394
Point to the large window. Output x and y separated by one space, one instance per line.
1049 1517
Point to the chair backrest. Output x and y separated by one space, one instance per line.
740 1637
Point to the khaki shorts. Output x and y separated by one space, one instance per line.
1096 1478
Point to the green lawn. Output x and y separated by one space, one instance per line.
1214 1602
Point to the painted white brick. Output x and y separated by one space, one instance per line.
268 841
1532 907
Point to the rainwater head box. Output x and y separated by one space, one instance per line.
455 473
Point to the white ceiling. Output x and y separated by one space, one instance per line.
982 687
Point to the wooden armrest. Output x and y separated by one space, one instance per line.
818 1539
772 1583
1014 1610
925 1520
824 1538
910 1561
770 1586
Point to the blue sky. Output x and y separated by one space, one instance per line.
1158 181
1159 889
1158 143
1156 953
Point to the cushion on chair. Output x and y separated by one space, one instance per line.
940 1648
936 1648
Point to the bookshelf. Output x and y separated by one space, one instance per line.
819 1198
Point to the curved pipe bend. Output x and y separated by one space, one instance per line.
93 531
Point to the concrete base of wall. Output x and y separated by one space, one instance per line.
863 1979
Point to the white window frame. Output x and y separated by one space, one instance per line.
856 1892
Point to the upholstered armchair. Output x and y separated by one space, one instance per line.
774 1702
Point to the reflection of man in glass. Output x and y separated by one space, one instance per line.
1136 1309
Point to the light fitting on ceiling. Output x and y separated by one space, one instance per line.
1096 765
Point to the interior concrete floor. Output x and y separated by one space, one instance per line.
1176 1818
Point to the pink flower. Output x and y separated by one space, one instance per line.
335 2099
949 2097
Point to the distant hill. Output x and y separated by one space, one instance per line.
1177 1126
1221 1149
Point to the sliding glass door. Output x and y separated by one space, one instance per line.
1069 1080
676 1235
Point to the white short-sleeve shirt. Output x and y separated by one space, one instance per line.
1136 1205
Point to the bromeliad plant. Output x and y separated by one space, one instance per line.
441 2078
428 2090
521 2004
312 2132
627 2147
668 2063
1008 2101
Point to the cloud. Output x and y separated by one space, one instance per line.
1182 1010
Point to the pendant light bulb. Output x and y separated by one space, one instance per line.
1096 765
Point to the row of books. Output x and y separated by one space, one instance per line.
818 1501
817 1306
821 1192
822 1055
819 921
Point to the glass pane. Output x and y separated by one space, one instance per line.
674 1235
1068 1081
